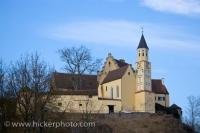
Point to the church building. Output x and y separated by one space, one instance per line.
118 87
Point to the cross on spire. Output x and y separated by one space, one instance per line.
142 29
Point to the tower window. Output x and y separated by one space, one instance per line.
142 54
146 54
129 73
139 54
109 63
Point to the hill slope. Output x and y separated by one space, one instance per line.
143 123
116 123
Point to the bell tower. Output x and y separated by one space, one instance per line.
143 66
144 97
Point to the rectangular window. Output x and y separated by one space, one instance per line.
163 98
117 91
111 93
159 98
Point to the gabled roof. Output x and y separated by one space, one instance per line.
158 87
63 83
115 74
142 43
121 63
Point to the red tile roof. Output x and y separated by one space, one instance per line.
158 87
115 74
63 84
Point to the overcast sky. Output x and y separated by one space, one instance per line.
171 29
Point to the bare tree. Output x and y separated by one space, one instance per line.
29 82
2 95
78 61
193 112
7 102
2 79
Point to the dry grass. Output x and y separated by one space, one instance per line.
143 123
121 123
